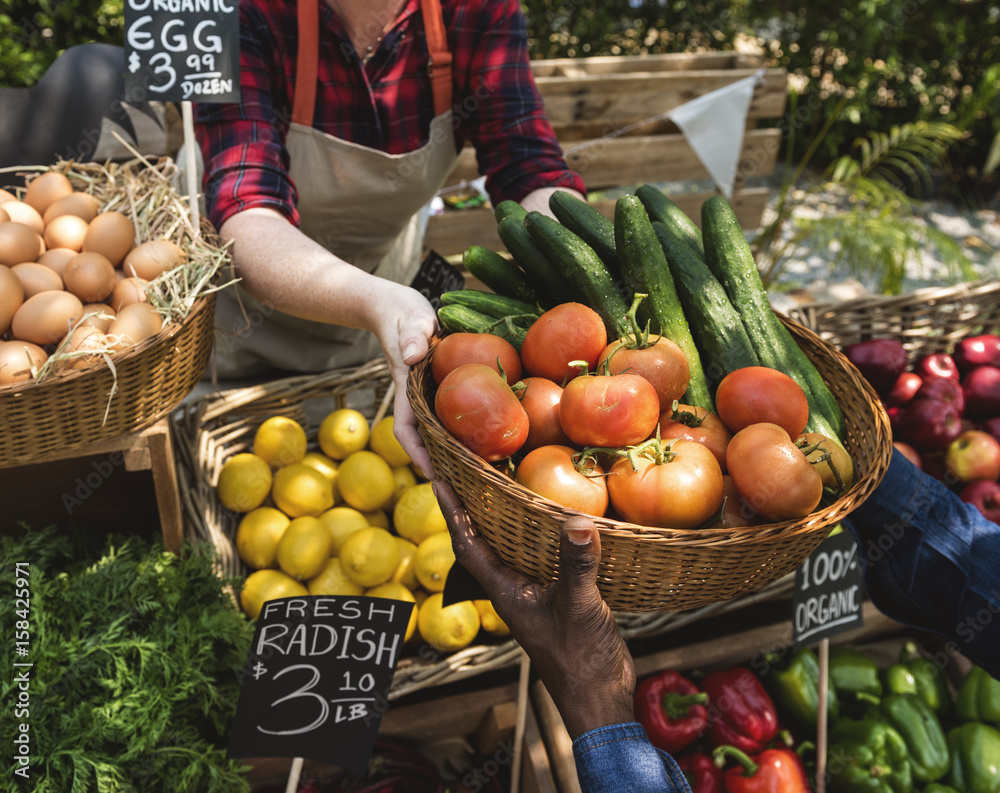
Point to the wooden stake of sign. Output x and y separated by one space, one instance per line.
191 166
294 774
821 715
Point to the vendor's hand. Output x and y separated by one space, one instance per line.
565 627
409 323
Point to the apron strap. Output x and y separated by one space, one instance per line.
439 64
306 63
307 57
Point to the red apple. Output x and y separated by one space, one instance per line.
982 392
973 455
904 389
929 424
984 494
909 453
937 364
992 426
895 413
880 361
943 390
976 351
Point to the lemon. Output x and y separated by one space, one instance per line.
258 534
447 628
264 585
332 581
370 556
385 445
342 522
490 619
301 490
365 481
433 561
417 514
395 591
304 548
402 478
377 517
406 571
280 441
244 482
342 433
421 595
325 466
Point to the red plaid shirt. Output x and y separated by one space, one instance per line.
497 106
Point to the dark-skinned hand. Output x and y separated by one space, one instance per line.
565 627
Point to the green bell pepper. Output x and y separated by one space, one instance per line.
898 679
975 758
921 730
867 757
855 676
978 697
937 787
794 687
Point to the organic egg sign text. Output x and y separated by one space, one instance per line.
317 678
182 50
828 591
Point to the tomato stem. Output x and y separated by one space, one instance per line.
689 418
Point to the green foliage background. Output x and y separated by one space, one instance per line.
893 61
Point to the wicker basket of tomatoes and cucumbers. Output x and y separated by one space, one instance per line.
895 724
631 369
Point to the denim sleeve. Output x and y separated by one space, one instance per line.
932 561
620 759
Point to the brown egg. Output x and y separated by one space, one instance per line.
11 297
90 277
128 291
57 259
18 243
37 278
110 234
6 196
65 231
83 205
46 189
97 315
16 360
152 258
134 323
84 346
21 212
46 317
4 217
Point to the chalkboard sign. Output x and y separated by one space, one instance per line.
435 277
182 50
829 589
317 678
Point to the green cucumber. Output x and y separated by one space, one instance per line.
498 273
586 222
644 266
670 215
492 305
461 319
729 257
541 273
509 209
715 324
582 268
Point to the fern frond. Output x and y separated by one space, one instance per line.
905 152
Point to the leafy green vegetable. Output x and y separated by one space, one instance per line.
136 655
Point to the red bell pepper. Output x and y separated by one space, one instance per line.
740 712
701 772
671 709
772 771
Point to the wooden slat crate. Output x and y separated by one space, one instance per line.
589 99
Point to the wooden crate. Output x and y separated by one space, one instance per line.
588 99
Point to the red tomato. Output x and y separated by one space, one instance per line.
551 472
756 394
772 474
736 513
662 363
458 348
682 492
693 423
476 405
564 333
608 410
540 400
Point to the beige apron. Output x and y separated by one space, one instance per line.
361 204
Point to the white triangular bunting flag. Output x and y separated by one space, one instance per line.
713 124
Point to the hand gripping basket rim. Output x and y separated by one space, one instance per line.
645 569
